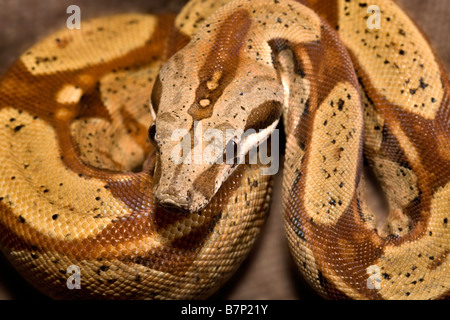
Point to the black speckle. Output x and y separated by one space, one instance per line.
340 104
302 146
423 85
18 128
22 219
55 216
104 268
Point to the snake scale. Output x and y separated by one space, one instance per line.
84 182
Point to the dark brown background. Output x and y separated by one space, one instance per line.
268 273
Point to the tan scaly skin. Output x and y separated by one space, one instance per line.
80 184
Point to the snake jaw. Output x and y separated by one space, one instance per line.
170 189
168 202
177 203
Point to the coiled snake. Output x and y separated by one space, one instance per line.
82 185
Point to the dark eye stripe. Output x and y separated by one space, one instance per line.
263 116
205 183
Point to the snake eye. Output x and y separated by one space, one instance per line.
231 152
152 133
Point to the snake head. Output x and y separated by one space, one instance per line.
209 114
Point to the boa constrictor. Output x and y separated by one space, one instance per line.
81 184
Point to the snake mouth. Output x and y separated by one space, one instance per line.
172 206
177 200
